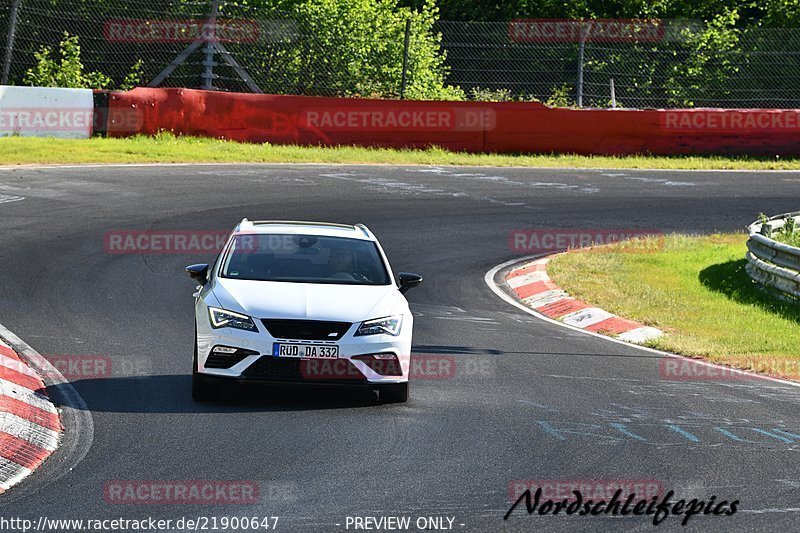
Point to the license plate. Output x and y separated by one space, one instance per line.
305 351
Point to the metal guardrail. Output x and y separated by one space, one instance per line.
774 263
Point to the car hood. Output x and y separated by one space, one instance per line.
312 301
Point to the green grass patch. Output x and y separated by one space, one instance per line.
695 289
166 148
792 239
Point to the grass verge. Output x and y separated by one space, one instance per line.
166 148
696 290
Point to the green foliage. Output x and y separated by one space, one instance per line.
481 94
355 48
769 13
711 63
789 233
561 97
134 77
67 69
781 13
491 95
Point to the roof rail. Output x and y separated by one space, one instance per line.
364 230
301 223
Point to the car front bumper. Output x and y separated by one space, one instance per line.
259 365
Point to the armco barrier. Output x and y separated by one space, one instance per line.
46 112
773 263
298 119
505 127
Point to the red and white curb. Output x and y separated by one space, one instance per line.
534 288
30 427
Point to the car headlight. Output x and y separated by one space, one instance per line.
220 318
389 325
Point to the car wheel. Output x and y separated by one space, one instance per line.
394 393
201 391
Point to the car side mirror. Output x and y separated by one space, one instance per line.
198 272
408 280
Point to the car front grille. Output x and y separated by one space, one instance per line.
224 360
289 369
274 367
312 330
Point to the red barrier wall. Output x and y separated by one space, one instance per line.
468 126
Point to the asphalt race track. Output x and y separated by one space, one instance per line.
529 400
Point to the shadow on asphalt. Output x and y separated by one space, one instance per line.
172 394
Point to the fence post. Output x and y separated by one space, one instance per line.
613 94
405 60
210 50
585 29
12 29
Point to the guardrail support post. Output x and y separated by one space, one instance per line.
613 95
405 60
586 28
208 62
212 47
12 30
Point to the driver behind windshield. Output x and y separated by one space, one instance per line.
342 261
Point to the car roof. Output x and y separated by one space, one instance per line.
297 227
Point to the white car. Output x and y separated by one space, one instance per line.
302 302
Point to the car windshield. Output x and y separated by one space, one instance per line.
304 259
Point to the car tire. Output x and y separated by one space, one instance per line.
394 393
201 391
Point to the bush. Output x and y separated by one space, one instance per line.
355 48
481 94
67 69
561 97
